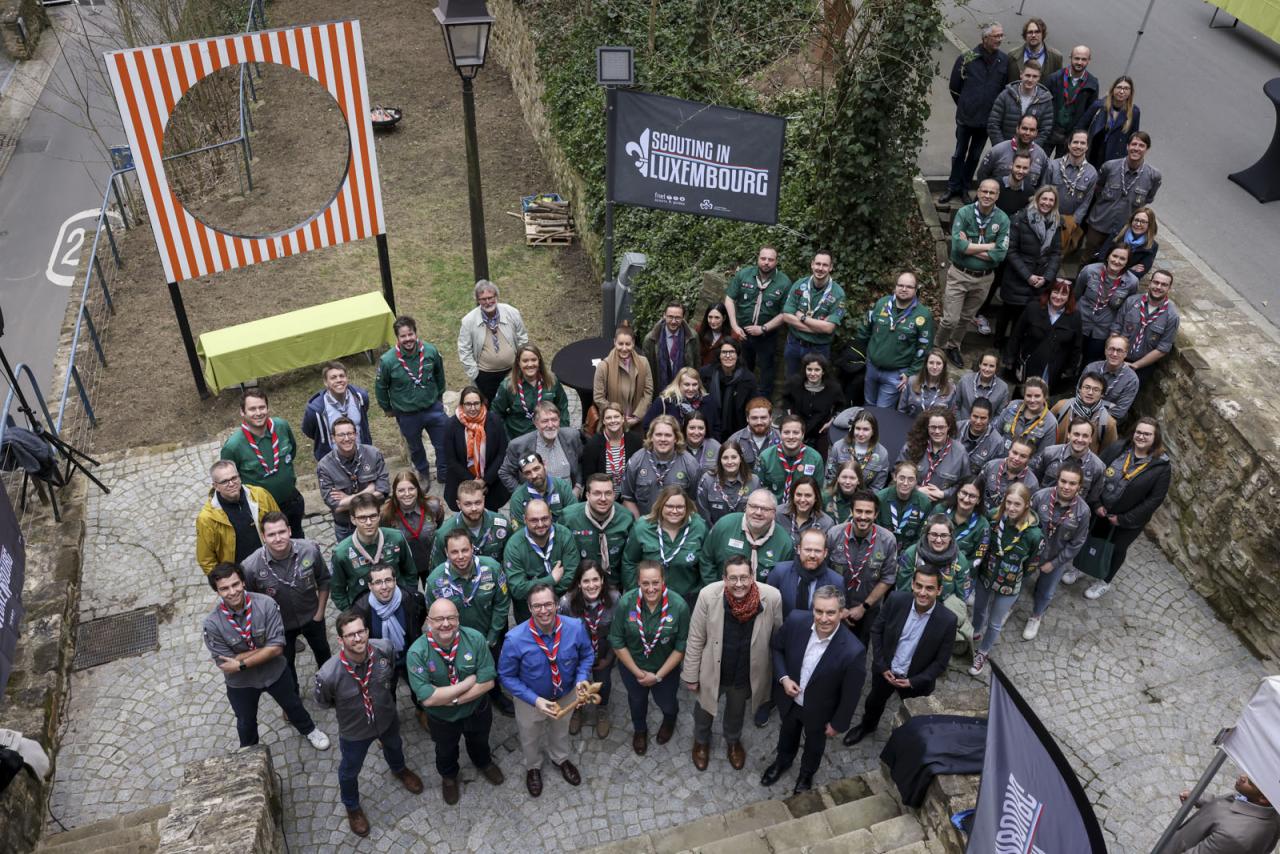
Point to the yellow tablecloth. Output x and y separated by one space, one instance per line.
1262 15
273 345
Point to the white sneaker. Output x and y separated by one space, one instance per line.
1071 576
979 664
984 325
1097 590
1031 629
318 740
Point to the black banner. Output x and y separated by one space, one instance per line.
13 560
679 155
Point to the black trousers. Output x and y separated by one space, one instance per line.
789 734
293 508
877 697
488 382
244 702
317 639
473 730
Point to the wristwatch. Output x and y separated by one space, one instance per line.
454 701
242 665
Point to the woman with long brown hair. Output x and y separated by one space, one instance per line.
1015 540
531 382
475 443
416 515
624 377
589 599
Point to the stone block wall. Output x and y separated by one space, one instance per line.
226 803
20 39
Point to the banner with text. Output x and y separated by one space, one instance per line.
1254 743
13 558
1029 800
678 155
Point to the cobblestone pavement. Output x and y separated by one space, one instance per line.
1133 693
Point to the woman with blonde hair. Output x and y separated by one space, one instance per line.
531 382
1015 540
683 397
624 377
612 445
1112 120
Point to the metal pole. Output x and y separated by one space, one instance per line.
1205 779
1141 27
188 342
1021 5
479 253
384 264
608 308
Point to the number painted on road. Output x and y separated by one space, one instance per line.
64 260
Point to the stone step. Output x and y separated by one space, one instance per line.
750 818
813 829
897 832
864 841
133 832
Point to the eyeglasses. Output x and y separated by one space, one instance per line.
545 606
366 517
934 536
738 580
441 621
235 478
359 633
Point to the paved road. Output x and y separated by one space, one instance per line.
57 172
1200 91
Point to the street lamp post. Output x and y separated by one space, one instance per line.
466 25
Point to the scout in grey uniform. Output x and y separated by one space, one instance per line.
1122 380
979 439
662 463
1028 418
1101 292
357 684
1150 322
1124 185
942 461
294 574
998 162
983 382
1048 462
862 442
866 554
759 435
999 474
245 636
1074 177
1064 519
348 469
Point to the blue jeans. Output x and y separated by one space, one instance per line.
664 695
796 350
762 351
353 754
1046 586
433 420
244 702
990 610
964 161
881 387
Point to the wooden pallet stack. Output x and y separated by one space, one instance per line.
547 221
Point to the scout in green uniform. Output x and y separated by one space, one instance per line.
899 332
964 511
536 384
902 506
671 534
556 491
649 630
754 298
791 457
263 449
601 526
369 545
542 552
814 310
488 531
409 385
1015 541
476 585
450 671
751 534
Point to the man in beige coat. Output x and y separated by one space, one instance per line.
727 654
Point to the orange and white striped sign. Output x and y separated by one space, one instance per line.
149 82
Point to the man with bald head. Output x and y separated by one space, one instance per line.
1074 89
979 242
751 534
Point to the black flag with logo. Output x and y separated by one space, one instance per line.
13 556
679 155
1029 801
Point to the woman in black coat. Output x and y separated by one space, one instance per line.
1047 338
473 411
611 446
730 386
1035 248
816 396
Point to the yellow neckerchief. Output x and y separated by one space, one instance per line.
1033 425
1124 468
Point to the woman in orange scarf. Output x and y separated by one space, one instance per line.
475 442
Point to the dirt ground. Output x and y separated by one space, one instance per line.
147 396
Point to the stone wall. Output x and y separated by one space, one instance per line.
226 803
20 39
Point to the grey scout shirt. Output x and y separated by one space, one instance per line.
350 476
944 469
338 690
294 582
1098 301
1120 192
645 477
750 450
1076 185
997 391
998 163
996 480
982 448
1048 461
1159 331
266 629
863 563
1065 527
1122 387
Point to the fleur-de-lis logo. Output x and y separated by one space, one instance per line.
640 150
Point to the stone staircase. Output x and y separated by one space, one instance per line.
853 816
134 833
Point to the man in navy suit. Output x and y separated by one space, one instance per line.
798 580
911 643
817 663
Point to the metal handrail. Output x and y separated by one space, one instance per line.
19 370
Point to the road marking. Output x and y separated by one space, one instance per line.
66 249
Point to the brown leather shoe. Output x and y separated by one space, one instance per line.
665 731
411 781
570 773
449 788
575 722
602 724
359 823
737 756
493 774
640 743
533 782
701 756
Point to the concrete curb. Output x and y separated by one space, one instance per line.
23 93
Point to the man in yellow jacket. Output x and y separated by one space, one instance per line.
228 528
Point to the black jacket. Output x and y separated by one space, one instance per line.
1042 344
932 652
977 77
592 460
1144 257
1144 494
1086 94
455 451
415 614
1025 259
816 408
730 397
832 693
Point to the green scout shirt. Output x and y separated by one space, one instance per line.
491 541
1010 555
429 671
350 573
681 568
726 539
400 390
744 289
972 536
281 483
525 568
623 632
482 599
996 231
904 519
827 304
954 581
587 536
508 407
897 339
559 497
774 478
